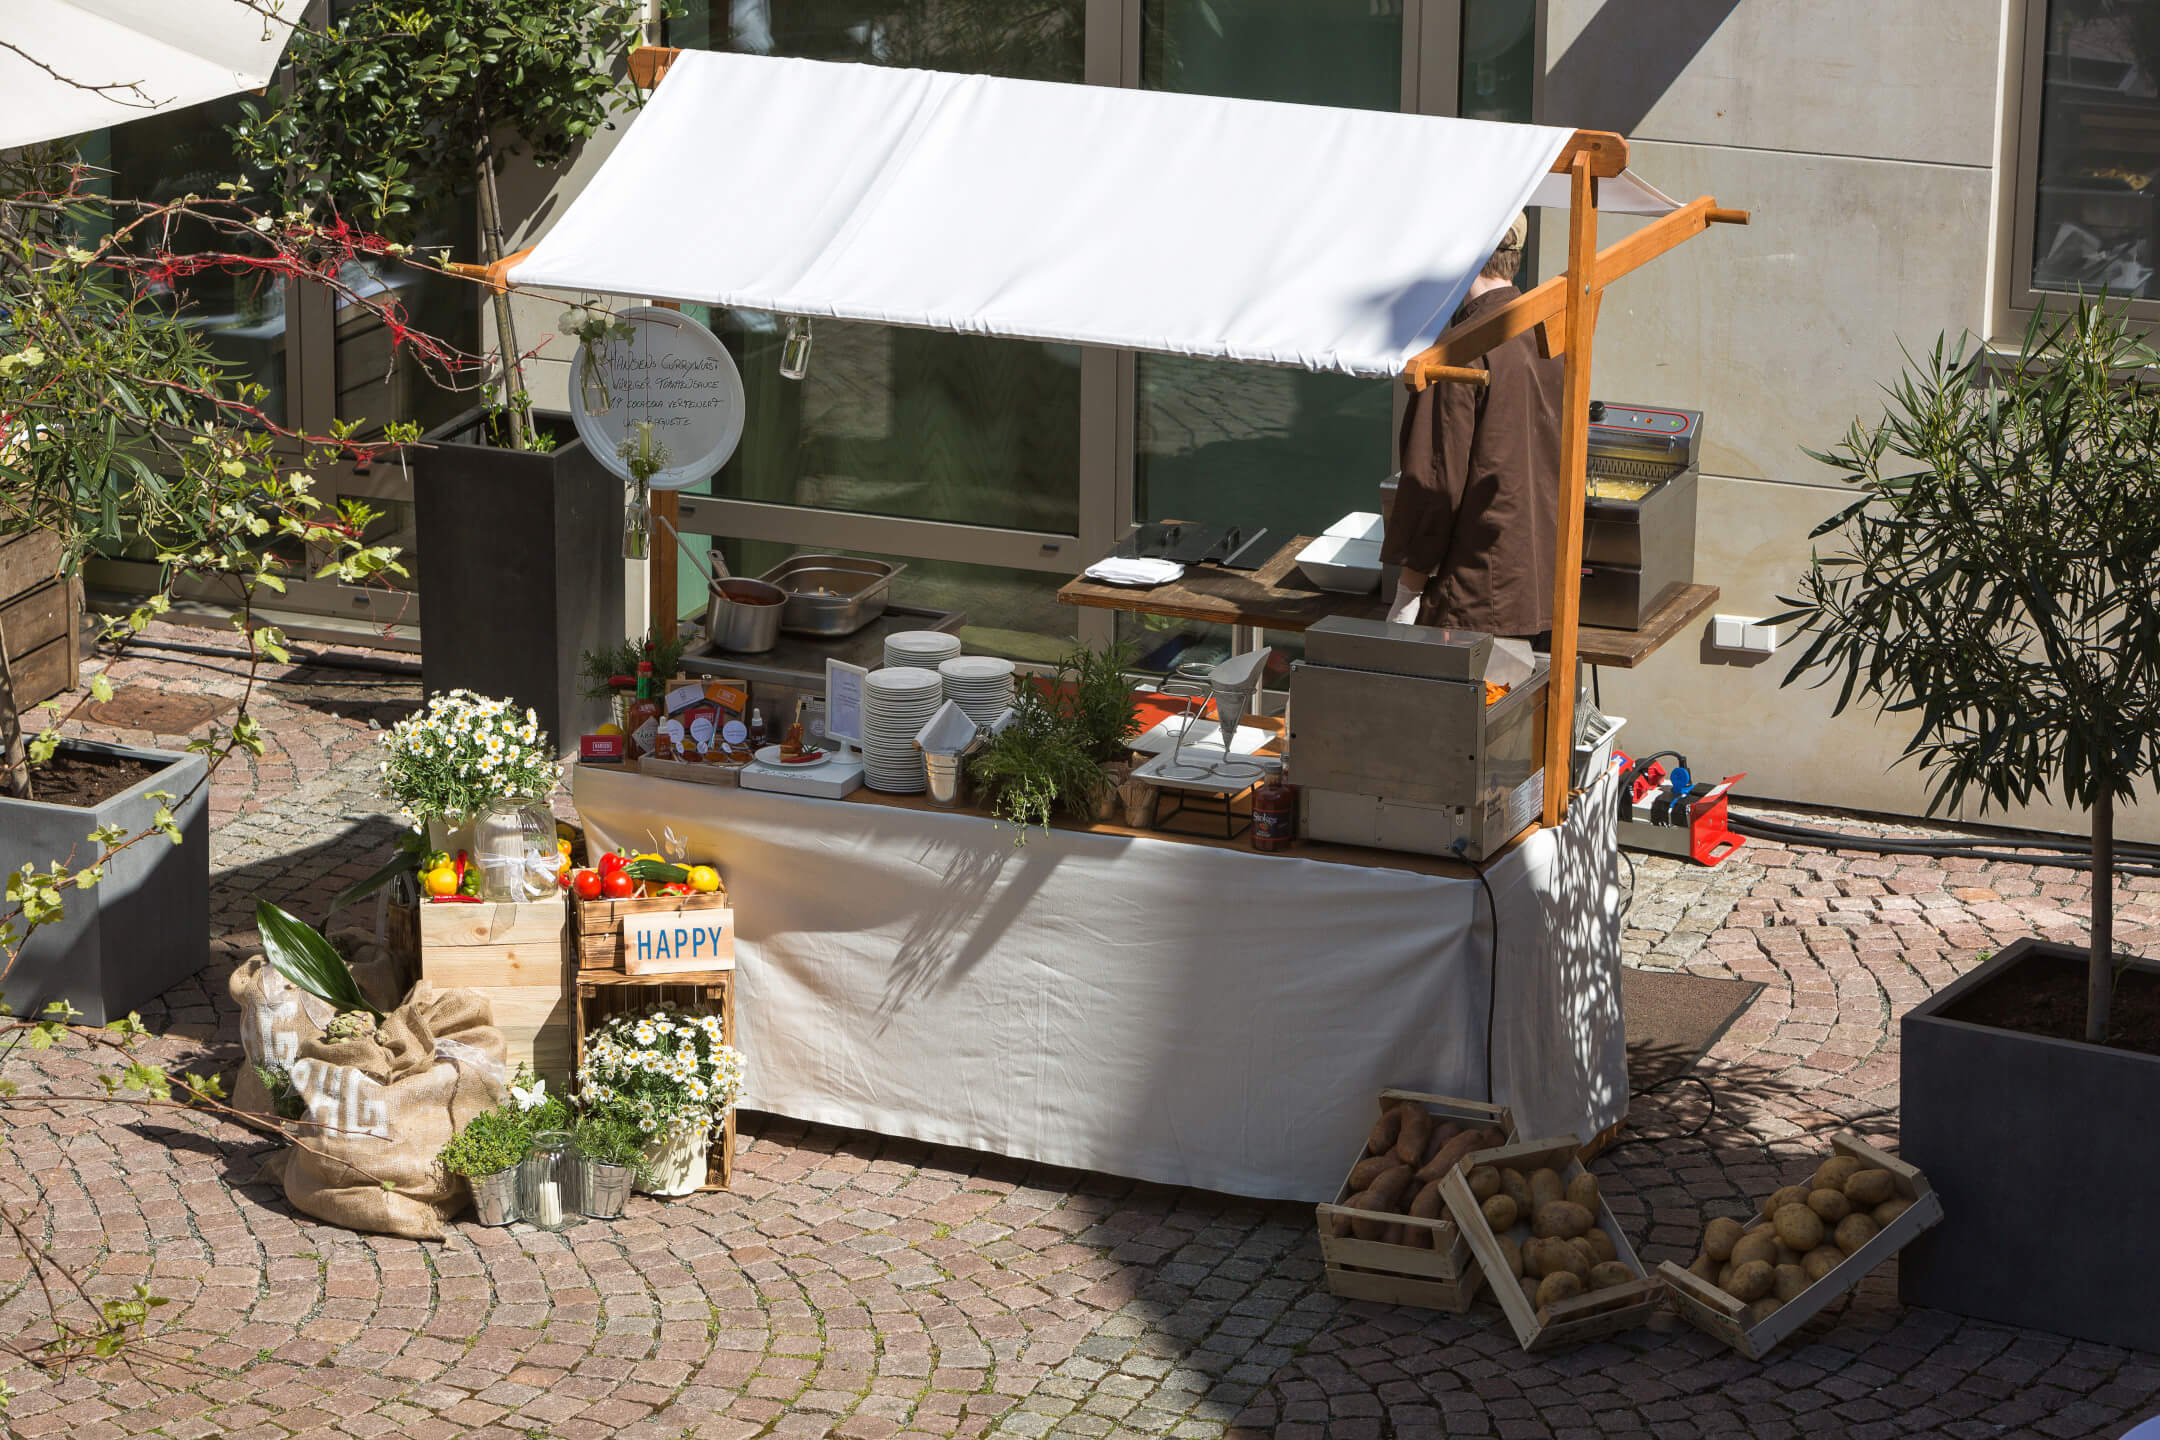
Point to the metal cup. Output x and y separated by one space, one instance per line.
495 1197
945 778
603 1189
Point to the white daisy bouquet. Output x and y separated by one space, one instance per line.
665 1067
464 752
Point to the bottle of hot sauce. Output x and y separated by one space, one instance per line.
1274 813
642 724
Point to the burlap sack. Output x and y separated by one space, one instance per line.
276 1015
379 1107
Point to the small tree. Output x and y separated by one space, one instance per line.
2000 585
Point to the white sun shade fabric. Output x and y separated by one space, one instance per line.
67 66
1336 240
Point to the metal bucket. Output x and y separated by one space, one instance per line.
744 615
947 780
603 1190
495 1197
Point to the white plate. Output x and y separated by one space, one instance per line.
976 668
702 432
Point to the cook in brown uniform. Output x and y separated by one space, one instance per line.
1476 511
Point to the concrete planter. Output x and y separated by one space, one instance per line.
521 570
2042 1152
141 930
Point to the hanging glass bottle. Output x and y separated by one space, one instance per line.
593 389
637 522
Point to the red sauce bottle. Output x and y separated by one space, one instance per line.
1274 814
642 725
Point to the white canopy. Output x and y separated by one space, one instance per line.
67 66
1337 240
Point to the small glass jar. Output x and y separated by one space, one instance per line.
547 1181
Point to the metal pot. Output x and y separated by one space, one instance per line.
832 595
744 615
604 1189
495 1197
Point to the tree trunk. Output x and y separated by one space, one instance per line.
491 250
2100 984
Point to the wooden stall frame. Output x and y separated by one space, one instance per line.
1716 1313
1571 1322
1448 1257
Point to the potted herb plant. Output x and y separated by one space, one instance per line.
670 1073
1039 764
611 1155
1097 697
518 524
489 1150
1997 589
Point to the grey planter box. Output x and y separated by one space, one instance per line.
141 930
521 570
2044 1155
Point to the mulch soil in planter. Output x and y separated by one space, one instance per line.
84 780
2045 995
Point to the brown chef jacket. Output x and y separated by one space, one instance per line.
1477 507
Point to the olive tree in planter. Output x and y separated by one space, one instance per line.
395 108
1997 589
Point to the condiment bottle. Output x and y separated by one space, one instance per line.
643 722
1274 813
757 728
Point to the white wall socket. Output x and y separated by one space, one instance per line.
1744 633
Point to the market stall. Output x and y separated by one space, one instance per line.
1172 1007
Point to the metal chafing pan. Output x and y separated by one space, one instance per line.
831 594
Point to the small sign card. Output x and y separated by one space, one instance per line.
843 702
675 942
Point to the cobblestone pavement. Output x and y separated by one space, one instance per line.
860 1287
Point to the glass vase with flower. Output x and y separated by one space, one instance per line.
459 755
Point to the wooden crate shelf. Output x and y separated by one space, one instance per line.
515 955
604 993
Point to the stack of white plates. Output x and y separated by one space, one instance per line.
897 702
926 649
982 685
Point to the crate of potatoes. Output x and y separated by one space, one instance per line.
1387 1236
1754 1284
1561 1267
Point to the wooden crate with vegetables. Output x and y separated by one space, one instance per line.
1560 1266
637 889
1386 1236
516 955
1753 1285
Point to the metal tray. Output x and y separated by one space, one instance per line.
831 595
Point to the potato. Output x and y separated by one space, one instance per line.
1719 1237
1371 1168
1529 1290
1500 1213
1362 1228
1724 1277
1820 1262
1786 1255
1758 1244
1516 1186
1455 1151
1583 1191
1853 1232
1336 1225
1390 1191
1870 1188
1582 1249
1545 1187
1385 1130
1830 1205
1601 1244
1485 1183
1763 1309
1834 1172
1705 1269
1790 1195
1396 1235
1799 1227
1442 1132
1609 1272
1889 1210
1751 1281
1558 1286
1791 1280
1513 1254
1560 1255
1411 1135
1563 1218
1428 1204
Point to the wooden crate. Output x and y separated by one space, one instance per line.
517 956
1714 1311
605 992
1441 1277
1571 1322
599 923
39 614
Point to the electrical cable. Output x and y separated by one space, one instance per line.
1492 984
2141 860
2064 844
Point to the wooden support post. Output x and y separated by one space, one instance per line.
660 566
1580 310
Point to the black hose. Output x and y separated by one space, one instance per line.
2064 844
2059 855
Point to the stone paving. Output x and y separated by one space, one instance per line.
860 1287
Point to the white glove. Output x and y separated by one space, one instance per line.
1407 600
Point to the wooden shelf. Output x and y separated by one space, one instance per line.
686 977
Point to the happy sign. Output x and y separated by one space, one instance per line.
678 941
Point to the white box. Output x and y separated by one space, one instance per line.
1337 563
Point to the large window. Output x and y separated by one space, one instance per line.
2089 176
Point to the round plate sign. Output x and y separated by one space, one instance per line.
673 374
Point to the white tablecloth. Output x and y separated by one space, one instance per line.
1138 1006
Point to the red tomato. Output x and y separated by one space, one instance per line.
611 863
617 886
587 884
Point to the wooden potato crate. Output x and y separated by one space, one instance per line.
604 993
1441 1276
515 955
1714 1311
599 938
1570 1322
